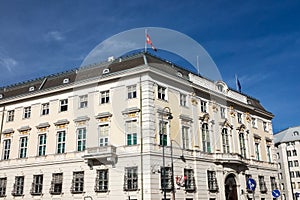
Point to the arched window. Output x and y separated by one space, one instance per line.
242 145
205 138
225 140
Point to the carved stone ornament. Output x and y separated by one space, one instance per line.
248 118
232 111
241 128
227 124
205 117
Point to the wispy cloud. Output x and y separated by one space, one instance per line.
7 62
54 36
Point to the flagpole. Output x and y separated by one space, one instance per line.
198 70
145 41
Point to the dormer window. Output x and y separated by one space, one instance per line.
1 96
105 71
31 89
220 88
66 80
179 74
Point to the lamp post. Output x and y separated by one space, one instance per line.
169 116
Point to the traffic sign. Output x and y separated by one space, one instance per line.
297 194
251 184
276 193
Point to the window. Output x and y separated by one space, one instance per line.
163 133
225 140
166 178
262 184
182 99
101 181
239 118
63 105
254 122
220 88
223 112
257 151
61 141
104 97
212 181
269 153
10 115
203 107
265 127
293 185
66 80
205 139
294 152
288 153
23 147
42 145
131 132
81 139
296 163
6 149
37 185
189 180
290 163
3 182
77 182
185 137
131 91
292 174
56 183
83 101
297 174
131 179
103 134
242 145
280 176
161 93
18 187
27 112
45 109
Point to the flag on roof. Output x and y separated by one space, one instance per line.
148 41
238 84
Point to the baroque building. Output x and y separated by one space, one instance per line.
287 143
136 127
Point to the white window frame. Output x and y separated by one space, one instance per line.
81 141
183 100
27 112
240 117
225 140
6 148
63 105
104 97
222 112
45 109
23 147
185 136
131 92
83 101
42 144
203 106
103 138
162 93
62 149
131 128
10 115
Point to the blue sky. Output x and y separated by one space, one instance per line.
258 40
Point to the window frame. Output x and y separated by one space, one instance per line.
185 136
6 149
23 147
37 185
225 140
10 115
131 130
18 188
103 138
163 136
190 184
242 142
131 179
104 97
203 106
102 180
83 101
183 100
77 182
166 177
162 93
42 144
81 138
63 105
45 109
56 184
212 181
131 92
27 112
206 145
3 186
61 143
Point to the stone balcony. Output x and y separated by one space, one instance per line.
230 158
104 155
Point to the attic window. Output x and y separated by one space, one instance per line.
31 89
1 96
220 87
105 71
296 133
66 80
179 74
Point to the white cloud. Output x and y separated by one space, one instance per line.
54 36
7 62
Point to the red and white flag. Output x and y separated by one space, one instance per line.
148 41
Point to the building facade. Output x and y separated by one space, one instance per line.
133 128
287 143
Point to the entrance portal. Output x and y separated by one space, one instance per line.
230 188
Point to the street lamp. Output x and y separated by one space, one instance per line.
167 111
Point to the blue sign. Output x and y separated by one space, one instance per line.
276 193
297 194
251 184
